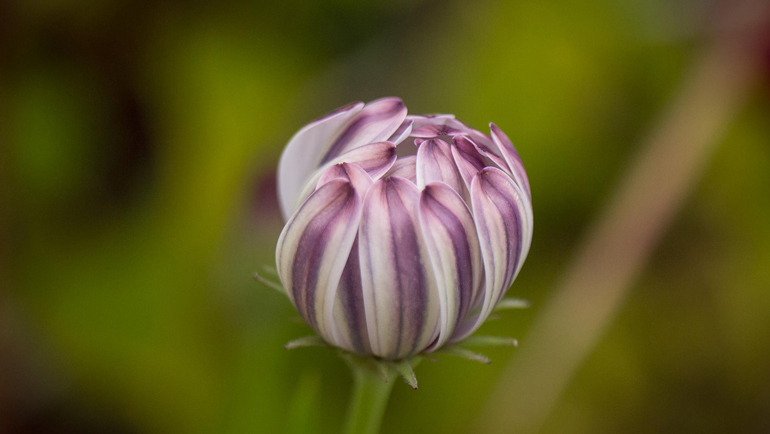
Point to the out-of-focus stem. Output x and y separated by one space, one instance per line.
369 400
616 248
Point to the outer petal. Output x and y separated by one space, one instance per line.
350 328
435 163
405 168
511 157
500 210
304 152
349 318
400 294
313 249
485 146
453 245
467 158
375 158
378 121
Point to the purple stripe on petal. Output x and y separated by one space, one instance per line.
303 154
500 212
450 234
405 168
399 284
467 158
349 315
511 157
376 122
313 249
435 164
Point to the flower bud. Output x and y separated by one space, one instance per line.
403 231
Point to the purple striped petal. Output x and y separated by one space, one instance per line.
435 164
350 329
500 210
511 157
399 284
484 145
405 168
375 158
376 122
467 159
450 235
304 152
313 249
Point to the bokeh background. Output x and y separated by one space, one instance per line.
138 145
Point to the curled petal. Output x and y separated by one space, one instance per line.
435 126
511 157
405 168
304 152
430 118
453 245
435 164
376 122
313 249
484 145
402 133
399 285
501 212
358 178
467 158
374 158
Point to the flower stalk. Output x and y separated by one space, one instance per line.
368 403
369 400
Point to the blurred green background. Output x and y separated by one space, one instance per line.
138 145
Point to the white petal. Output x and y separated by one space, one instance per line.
399 284
304 152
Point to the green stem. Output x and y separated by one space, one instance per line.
369 400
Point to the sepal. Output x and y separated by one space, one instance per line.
407 373
508 303
306 341
489 341
269 283
458 351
